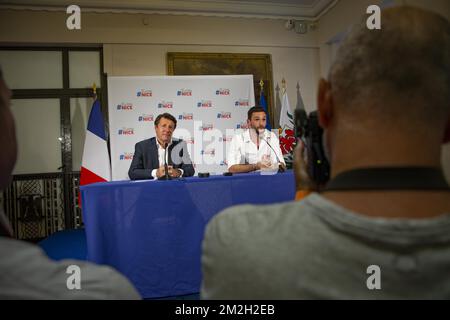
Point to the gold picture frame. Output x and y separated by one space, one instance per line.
205 63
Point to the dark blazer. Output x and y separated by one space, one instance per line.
145 159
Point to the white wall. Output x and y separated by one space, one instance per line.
294 64
336 21
133 48
347 12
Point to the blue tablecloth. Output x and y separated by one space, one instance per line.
151 231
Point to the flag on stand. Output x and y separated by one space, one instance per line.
287 138
300 104
262 103
95 165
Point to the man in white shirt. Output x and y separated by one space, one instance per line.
255 148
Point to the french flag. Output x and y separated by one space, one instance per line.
95 165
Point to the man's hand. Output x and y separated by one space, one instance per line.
303 181
174 173
263 165
160 172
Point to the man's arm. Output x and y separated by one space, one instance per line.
243 168
234 159
137 170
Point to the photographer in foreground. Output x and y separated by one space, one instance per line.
311 166
381 227
26 272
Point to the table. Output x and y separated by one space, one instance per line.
151 231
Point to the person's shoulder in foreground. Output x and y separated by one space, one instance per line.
27 273
317 249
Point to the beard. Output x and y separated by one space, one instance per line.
259 131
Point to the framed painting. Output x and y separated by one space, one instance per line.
201 63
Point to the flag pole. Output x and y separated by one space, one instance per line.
283 91
263 104
261 91
94 90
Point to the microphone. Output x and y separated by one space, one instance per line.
257 137
165 161
166 169
280 167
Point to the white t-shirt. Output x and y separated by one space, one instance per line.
242 150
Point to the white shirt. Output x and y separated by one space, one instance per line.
161 152
242 150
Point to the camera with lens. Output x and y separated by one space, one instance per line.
308 130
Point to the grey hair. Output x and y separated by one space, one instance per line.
401 70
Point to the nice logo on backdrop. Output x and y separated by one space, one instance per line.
144 93
186 116
165 105
241 103
126 132
223 92
125 106
204 104
146 118
224 115
184 92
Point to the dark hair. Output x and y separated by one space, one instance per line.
167 116
254 109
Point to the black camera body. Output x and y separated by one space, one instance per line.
307 129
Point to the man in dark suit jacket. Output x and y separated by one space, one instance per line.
148 159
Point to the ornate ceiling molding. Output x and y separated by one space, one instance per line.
310 10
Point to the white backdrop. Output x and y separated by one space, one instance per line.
208 109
